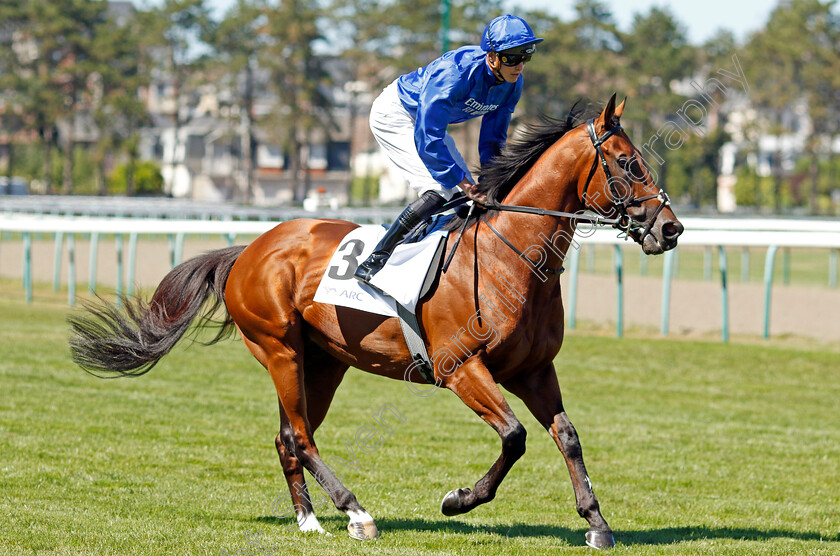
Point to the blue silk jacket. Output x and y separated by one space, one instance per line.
457 87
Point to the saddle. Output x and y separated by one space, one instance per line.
396 289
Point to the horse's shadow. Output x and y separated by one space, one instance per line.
671 535
667 535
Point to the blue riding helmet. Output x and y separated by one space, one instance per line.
506 32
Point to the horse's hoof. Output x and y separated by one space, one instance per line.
452 503
362 531
309 524
600 539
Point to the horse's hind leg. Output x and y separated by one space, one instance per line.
541 393
475 386
282 354
302 505
324 375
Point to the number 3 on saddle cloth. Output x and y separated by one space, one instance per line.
410 271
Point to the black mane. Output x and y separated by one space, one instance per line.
498 177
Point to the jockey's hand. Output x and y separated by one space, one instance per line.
471 191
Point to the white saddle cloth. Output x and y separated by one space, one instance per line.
401 278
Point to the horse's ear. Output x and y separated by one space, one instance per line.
619 110
608 113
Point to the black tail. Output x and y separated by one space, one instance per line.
107 342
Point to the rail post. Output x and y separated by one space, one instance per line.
724 295
132 262
119 291
619 264
676 270
27 265
94 255
769 261
574 265
71 269
667 275
176 249
59 244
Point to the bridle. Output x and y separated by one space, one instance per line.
624 223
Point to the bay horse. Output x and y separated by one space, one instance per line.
495 317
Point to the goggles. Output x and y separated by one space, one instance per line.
511 60
517 55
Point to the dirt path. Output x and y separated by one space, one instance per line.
812 312
696 306
153 260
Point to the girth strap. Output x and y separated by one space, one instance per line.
415 343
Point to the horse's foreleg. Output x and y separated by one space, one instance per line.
477 389
566 437
541 393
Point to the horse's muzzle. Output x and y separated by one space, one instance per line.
663 235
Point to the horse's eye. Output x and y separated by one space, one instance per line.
622 162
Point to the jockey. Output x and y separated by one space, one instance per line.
410 116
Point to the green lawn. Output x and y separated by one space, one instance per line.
693 448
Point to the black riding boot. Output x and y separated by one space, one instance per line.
414 214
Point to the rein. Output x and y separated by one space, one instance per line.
544 268
625 223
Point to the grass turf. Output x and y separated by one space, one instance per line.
693 448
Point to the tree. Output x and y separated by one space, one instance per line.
12 23
579 60
796 59
66 33
359 25
299 78
411 30
144 177
595 27
237 41
49 67
116 106
552 82
693 169
174 29
656 53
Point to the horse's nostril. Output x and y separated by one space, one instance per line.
671 230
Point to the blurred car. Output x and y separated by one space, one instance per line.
320 199
14 186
